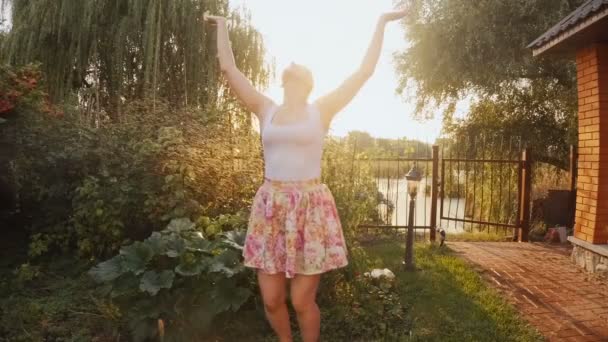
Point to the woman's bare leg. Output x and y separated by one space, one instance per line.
303 298
274 294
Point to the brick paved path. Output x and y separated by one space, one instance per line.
561 301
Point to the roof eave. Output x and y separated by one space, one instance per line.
566 35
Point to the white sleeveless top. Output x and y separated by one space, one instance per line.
293 151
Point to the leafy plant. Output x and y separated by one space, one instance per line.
352 184
26 273
365 309
175 282
78 188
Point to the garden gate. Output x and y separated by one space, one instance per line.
458 194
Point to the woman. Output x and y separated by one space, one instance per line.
294 230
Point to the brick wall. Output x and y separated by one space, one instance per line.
591 222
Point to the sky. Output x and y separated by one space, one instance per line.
331 38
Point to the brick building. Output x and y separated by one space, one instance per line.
583 35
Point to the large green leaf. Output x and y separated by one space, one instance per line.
191 269
125 286
226 296
107 270
180 224
152 281
198 243
234 239
157 243
176 246
136 256
227 263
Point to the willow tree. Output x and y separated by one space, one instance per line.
130 49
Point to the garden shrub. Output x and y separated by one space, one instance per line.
175 282
94 189
362 309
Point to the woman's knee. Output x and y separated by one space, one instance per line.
274 303
273 291
303 303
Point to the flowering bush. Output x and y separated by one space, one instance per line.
20 88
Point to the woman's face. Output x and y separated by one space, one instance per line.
297 77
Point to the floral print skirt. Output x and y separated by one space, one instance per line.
294 228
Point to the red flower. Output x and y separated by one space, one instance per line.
6 106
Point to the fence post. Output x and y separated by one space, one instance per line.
573 172
434 191
526 191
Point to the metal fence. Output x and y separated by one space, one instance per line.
479 187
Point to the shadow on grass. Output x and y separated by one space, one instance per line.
447 300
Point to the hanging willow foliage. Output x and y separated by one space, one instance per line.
130 49
3 11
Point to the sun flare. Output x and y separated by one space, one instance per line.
330 38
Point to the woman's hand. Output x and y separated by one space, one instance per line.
333 102
213 19
393 15
240 85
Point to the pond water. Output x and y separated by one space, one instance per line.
395 190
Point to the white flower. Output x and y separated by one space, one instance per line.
378 273
389 274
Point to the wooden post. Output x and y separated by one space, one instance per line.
434 192
409 240
526 191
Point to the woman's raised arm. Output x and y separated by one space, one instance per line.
242 87
332 103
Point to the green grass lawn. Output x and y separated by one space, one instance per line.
389 235
447 300
480 236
